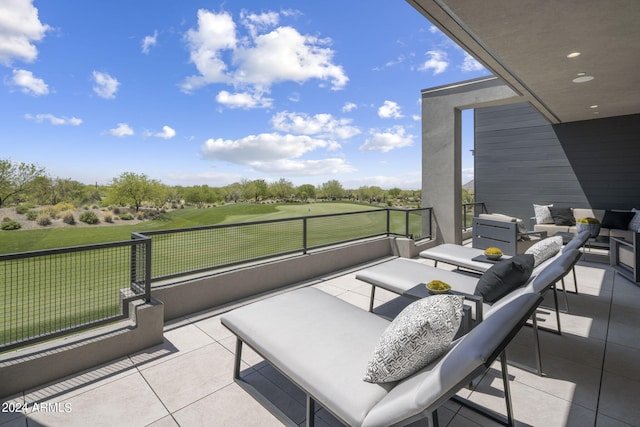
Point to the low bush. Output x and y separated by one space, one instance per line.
43 219
116 210
126 216
108 218
10 225
64 206
22 209
89 217
68 218
32 215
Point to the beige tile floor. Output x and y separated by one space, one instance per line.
592 372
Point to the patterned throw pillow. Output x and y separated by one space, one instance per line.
416 337
545 249
543 214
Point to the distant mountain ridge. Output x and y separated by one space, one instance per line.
468 186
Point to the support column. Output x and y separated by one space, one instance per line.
442 147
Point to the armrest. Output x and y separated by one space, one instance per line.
541 234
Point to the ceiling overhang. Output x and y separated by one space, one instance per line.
527 42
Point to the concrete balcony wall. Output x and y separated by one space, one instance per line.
36 365
201 293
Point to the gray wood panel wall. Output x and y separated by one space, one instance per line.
521 159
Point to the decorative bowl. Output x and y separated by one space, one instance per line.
438 287
493 253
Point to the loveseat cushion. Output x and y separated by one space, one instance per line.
416 337
543 214
504 277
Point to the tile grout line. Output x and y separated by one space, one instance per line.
604 354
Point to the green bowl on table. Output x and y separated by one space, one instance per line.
438 287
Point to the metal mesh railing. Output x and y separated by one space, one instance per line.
179 252
48 293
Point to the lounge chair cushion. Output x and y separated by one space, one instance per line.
504 277
416 337
545 249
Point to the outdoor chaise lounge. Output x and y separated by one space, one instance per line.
323 344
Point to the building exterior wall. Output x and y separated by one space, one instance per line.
521 159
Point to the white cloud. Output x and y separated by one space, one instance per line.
56 121
19 28
256 23
149 41
416 117
260 59
166 133
407 181
324 125
122 130
288 167
390 110
348 107
105 86
264 147
471 64
438 62
387 140
246 100
29 84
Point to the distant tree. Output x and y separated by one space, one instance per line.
41 191
133 189
261 189
306 192
282 189
332 189
394 193
247 189
15 179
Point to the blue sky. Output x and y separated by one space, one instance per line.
205 92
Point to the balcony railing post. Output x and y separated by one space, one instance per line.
406 223
147 269
304 236
388 222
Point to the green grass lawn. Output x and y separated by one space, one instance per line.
48 238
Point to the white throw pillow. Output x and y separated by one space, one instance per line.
634 224
543 214
416 337
545 249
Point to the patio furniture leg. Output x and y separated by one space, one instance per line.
507 388
373 294
555 300
311 411
238 359
434 419
566 297
536 343
575 279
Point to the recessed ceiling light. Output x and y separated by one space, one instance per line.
583 79
594 106
573 55
582 74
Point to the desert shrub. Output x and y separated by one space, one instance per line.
140 216
108 217
89 217
126 216
116 210
32 215
22 209
68 218
43 219
10 225
64 206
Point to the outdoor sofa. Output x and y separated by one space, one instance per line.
613 223
323 345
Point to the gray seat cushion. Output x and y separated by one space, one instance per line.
458 255
400 275
320 342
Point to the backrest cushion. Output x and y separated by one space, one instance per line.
504 277
562 216
417 336
545 249
617 219
543 214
